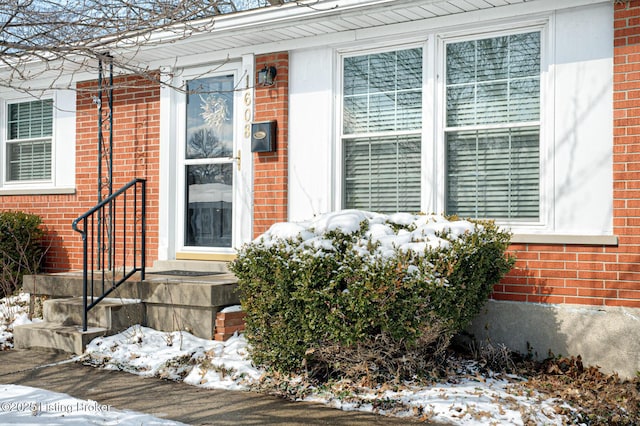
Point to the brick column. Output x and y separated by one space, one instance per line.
271 169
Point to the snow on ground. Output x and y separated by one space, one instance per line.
176 356
468 400
25 405
32 406
13 311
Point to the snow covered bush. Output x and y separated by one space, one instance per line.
20 248
365 294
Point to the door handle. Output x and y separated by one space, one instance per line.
238 159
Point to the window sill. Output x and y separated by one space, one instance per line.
585 240
38 191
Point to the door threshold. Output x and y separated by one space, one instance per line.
221 257
202 265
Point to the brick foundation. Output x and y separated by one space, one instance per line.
228 323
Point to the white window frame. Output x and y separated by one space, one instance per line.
545 218
433 180
62 179
417 42
27 140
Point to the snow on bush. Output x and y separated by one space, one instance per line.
360 293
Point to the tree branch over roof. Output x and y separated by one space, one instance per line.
52 39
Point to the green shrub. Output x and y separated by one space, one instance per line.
20 248
360 294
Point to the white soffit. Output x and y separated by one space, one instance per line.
271 27
291 22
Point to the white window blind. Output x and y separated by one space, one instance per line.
28 147
383 173
493 127
382 120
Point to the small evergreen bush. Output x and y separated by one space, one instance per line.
361 294
20 248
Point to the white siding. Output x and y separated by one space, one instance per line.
584 121
311 133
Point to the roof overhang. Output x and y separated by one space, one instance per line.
297 24
294 24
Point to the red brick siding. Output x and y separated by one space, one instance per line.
57 212
136 154
270 173
598 275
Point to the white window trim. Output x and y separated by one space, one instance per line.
63 147
433 192
545 222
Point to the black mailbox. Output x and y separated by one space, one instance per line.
263 136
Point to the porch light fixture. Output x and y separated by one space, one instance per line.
267 76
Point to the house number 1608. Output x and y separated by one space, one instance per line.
247 114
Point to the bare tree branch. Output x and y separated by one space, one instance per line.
53 39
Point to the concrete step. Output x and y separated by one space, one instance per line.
69 284
112 314
55 337
61 329
171 301
204 291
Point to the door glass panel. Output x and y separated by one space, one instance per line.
209 205
209 163
210 118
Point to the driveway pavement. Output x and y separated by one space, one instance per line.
166 399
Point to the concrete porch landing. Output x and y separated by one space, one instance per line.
167 300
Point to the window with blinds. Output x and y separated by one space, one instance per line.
381 126
29 136
492 129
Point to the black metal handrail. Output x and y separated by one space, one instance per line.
111 237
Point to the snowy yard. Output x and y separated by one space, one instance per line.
32 406
467 398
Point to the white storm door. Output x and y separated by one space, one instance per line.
208 168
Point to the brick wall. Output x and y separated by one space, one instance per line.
136 154
57 212
597 275
270 174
